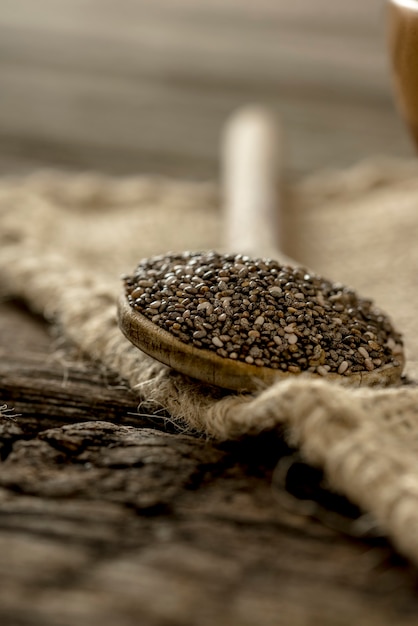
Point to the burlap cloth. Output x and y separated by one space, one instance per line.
65 240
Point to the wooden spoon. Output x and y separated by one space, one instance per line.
251 168
403 49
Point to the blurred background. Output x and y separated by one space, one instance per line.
130 86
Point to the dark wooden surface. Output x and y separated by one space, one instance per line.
113 517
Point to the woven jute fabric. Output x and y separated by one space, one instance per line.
65 239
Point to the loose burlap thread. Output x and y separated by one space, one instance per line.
65 239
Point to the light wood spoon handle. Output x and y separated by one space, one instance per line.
252 165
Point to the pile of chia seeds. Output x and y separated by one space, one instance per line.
263 313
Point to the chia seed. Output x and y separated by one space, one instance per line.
243 309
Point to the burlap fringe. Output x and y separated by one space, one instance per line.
365 440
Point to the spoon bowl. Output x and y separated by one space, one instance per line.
212 369
243 321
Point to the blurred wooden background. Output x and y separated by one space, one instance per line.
126 86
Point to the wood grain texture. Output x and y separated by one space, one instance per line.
146 86
403 45
109 514
122 522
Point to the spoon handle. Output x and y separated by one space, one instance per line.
251 171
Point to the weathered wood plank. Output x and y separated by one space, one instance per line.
239 51
99 520
133 126
51 385
148 85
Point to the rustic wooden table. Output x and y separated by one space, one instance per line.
124 521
